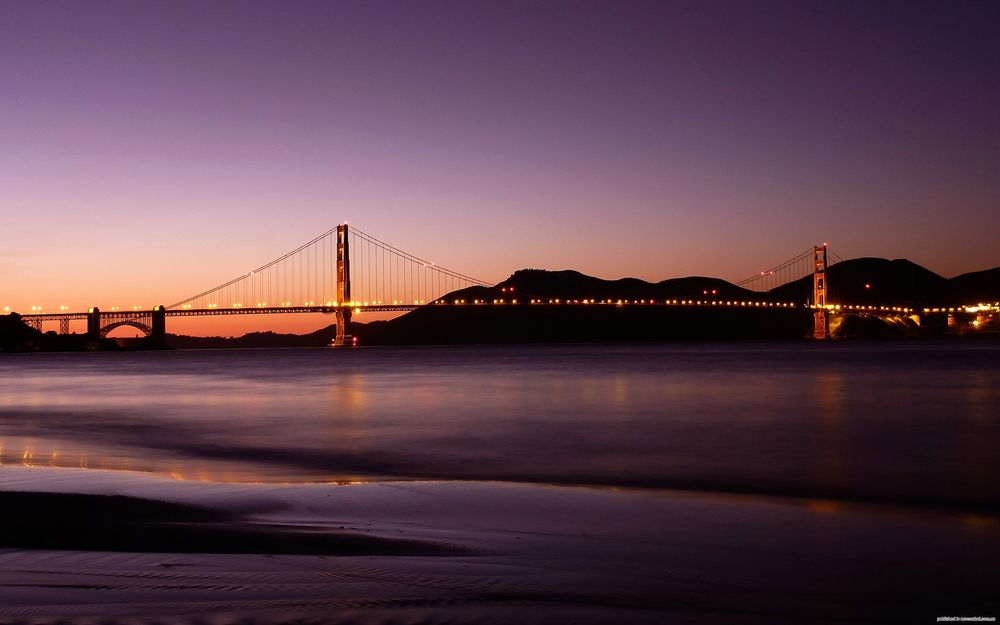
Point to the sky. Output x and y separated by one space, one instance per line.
151 150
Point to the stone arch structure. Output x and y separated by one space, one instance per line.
151 323
135 323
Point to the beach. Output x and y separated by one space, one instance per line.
417 552
160 488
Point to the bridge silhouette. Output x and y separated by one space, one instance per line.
345 271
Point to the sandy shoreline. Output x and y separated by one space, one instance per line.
127 548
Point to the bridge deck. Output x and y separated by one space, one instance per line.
272 310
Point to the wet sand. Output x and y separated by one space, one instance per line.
85 546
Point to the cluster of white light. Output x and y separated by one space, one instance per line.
861 307
977 308
667 302
497 301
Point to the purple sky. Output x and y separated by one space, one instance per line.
149 150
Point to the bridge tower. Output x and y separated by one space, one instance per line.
343 288
821 315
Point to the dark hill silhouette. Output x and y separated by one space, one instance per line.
319 338
528 284
976 287
872 281
435 325
869 281
878 281
15 336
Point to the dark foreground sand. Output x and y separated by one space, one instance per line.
80 546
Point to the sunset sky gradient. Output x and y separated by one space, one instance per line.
150 150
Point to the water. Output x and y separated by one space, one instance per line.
909 423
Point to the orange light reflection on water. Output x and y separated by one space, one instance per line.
27 453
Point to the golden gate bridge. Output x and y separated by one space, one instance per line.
346 271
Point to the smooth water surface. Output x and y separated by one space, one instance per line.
897 422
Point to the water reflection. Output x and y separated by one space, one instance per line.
864 421
830 458
979 410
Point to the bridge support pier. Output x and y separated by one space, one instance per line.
158 335
64 326
94 324
343 337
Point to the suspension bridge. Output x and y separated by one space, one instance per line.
346 271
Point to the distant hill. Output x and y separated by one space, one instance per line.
319 338
454 325
976 287
15 336
528 284
859 281
878 281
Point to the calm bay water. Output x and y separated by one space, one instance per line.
896 422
